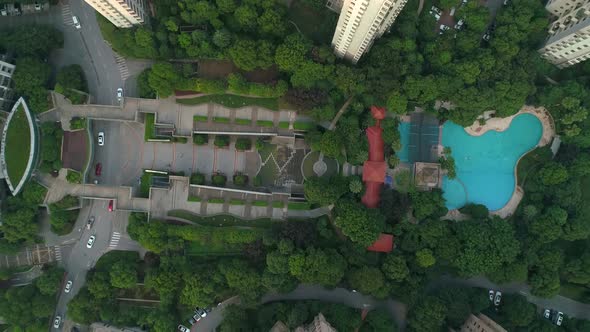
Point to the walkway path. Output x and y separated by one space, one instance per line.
340 112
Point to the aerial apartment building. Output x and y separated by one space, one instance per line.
6 92
122 13
360 23
568 42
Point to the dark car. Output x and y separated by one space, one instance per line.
98 169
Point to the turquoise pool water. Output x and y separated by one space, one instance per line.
404 132
485 164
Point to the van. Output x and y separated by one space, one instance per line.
76 22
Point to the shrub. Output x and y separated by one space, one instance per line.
259 144
221 141
77 123
284 124
260 203
278 204
236 202
240 180
200 139
216 200
200 118
210 86
243 144
181 140
197 178
300 125
218 180
220 119
192 198
299 206
74 176
65 203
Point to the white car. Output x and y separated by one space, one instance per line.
68 286
491 295
559 319
459 24
443 28
498 298
547 314
76 22
90 242
57 322
183 328
101 138
119 94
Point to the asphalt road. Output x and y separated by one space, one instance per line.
120 157
87 48
109 229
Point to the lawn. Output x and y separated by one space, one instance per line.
194 248
264 123
232 101
150 126
245 122
146 183
268 172
222 220
317 24
302 125
299 206
18 146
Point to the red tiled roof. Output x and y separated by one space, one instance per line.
383 244
374 171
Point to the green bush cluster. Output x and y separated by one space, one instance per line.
200 139
197 178
240 180
243 144
221 141
218 180
238 84
77 123
51 138
74 176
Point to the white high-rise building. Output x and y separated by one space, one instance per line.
6 93
122 13
360 23
568 42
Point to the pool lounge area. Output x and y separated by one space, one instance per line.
485 164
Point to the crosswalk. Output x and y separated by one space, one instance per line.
115 239
57 253
66 12
122 64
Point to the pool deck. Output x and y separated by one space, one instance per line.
501 124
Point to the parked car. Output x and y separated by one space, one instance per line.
197 317
498 298
98 169
486 36
547 313
201 312
111 203
101 138
443 28
191 321
68 287
559 318
183 328
459 24
76 22
90 223
57 322
90 242
119 94
491 295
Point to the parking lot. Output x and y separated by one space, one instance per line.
125 155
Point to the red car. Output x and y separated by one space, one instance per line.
98 169
111 203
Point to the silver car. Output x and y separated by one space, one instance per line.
68 286
57 322
101 138
498 298
119 94
90 242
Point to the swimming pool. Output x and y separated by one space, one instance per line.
485 164
404 133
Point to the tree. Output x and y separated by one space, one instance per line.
291 53
241 278
235 319
163 79
72 77
428 204
379 320
360 224
308 74
226 6
548 227
246 16
544 283
577 270
395 268
20 226
429 315
50 281
330 144
271 22
222 38
324 267
368 280
552 174
82 308
355 186
397 103
249 55
425 258
325 191
123 275
518 310
30 79
32 40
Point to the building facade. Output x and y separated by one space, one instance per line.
481 323
6 92
568 42
360 23
122 13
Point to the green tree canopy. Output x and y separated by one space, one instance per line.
360 224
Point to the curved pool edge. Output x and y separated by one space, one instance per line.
547 135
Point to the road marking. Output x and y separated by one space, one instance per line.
58 253
66 13
115 239
122 64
